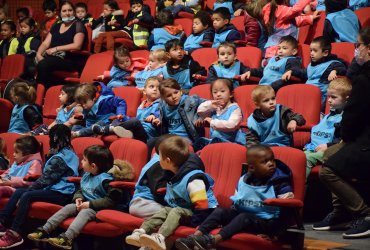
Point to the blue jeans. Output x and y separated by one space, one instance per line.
24 198
175 9
86 131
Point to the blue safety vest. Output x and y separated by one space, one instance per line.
161 36
92 185
219 38
17 122
182 77
63 116
358 4
193 42
141 76
21 170
226 4
230 72
173 118
274 70
345 23
142 113
93 116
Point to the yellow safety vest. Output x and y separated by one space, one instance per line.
140 34
12 47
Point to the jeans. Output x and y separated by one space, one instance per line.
86 131
135 126
175 9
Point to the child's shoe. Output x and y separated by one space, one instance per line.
185 243
2 229
203 242
38 235
155 241
61 242
100 130
134 238
122 132
10 239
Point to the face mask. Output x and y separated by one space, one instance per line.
359 60
68 19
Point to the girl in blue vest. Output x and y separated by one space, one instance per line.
266 178
93 195
224 31
51 186
8 42
26 116
326 133
27 161
271 123
222 114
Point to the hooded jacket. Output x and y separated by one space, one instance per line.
116 15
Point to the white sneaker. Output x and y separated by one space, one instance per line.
134 238
122 132
155 241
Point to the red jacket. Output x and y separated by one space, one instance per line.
252 30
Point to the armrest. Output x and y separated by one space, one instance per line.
201 78
295 203
122 184
81 52
296 79
31 177
161 190
206 44
253 80
2 171
72 80
75 180
130 78
240 43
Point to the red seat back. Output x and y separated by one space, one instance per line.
243 96
9 139
205 56
6 108
140 53
81 143
45 144
132 97
96 65
203 91
249 56
238 22
303 34
363 16
12 66
305 54
344 50
317 29
152 5
52 102
95 8
40 92
186 23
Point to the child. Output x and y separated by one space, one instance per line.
222 114
83 15
266 178
166 31
202 32
50 10
188 194
189 6
271 123
326 132
93 195
112 19
341 23
224 30
228 4
9 43
51 187
157 60
26 116
3 16
27 161
324 67
181 67
358 4
274 72
4 161
22 12
227 66
254 29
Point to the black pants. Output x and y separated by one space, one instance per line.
135 126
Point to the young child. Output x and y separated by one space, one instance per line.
9 42
166 31
50 11
222 114
274 72
230 5
358 4
227 66
266 178
188 194
181 67
326 133
271 123
51 187
341 23
324 67
22 12
27 161
83 15
224 30
4 161
26 116
3 15
157 60
93 195
202 32
189 6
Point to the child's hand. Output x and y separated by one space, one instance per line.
112 22
321 148
316 15
207 120
245 76
199 123
156 122
136 20
74 134
78 202
83 205
238 12
217 104
286 76
100 77
292 126
332 75
150 118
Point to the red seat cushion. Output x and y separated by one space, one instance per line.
101 229
124 221
43 210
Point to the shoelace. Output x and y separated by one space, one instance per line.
357 222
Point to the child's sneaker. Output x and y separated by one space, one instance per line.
155 241
38 235
185 243
61 242
134 238
2 229
10 239
203 242
100 130
122 132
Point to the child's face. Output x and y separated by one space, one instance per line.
316 52
177 53
262 164
154 63
285 49
336 99
136 8
151 90
198 27
80 12
2 15
107 10
166 163
88 104
219 22
226 55
21 15
267 103
6 33
49 14
25 29
18 155
123 62
172 96
63 97
87 167
221 92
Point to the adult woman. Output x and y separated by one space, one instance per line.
53 54
349 168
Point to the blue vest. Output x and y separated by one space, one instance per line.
269 131
345 23
144 191
175 123
250 199
17 122
20 171
193 42
274 38
237 136
321 5
358 4
64 116
141 76
230 72
118 77
274 70
161 36
219 38
71 159
92 185
93 116
226 4
323 132
177 194
143 113
182 77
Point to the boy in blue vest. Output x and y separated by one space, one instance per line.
326 133
224 30
271 124
93 195
285 60
266 178
188 195
181 67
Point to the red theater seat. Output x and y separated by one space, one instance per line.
6 108
52 103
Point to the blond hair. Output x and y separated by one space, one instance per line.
260 91
152 78
25 92
176 149
85 92
160 55
343 85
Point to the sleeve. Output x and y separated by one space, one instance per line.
288 115
292 64
288 13
233 36
243 68
120 105
303 20
284 189
212 74
32 117
35 44
205 109
151 41
146 18
257 72
252 138
198 194
114 196
80 28
191 3
121 20
329 32
78 195
35 168
195 68
155 110
231 124
209 35
299 72
337 66
97 22
252 30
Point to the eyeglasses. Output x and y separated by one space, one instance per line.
358 45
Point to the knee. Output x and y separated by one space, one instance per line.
324 173
87 212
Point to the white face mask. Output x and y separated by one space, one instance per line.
358 58
68 19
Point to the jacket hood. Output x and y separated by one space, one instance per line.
173 29
328 58
31 157
226 28
103 89
184 65
282 172
122 171
192 163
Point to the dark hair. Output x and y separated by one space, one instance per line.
173 43
62 3
204 18
49 5
257 147
27 145
29 21
113 4
290 40
101 156
120 52
81 5
160 140
132 2
227 44
59 138
164 17
10 24
273 7
70 90
168 83
227 82
365 35
323 42
23 10
335 5
223 12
